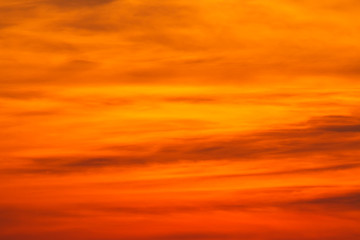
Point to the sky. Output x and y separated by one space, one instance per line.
179 119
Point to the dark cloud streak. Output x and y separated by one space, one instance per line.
298 143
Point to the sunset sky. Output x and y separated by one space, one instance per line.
179 120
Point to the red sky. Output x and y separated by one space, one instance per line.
179 120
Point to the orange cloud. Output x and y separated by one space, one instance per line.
208 119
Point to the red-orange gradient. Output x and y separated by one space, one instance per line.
179 119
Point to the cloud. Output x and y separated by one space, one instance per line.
77 65
218 49
303 141
193 100
297 171
195 236
337 124
336 202
348 128
16 214
266 205
15 13
21 94
75 4
85 160
144 23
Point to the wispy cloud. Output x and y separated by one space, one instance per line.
77 3
179 119
304 141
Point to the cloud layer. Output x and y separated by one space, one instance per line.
179 119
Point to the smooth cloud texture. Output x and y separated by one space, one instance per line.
179 119
283 42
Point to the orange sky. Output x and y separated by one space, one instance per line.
179 119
